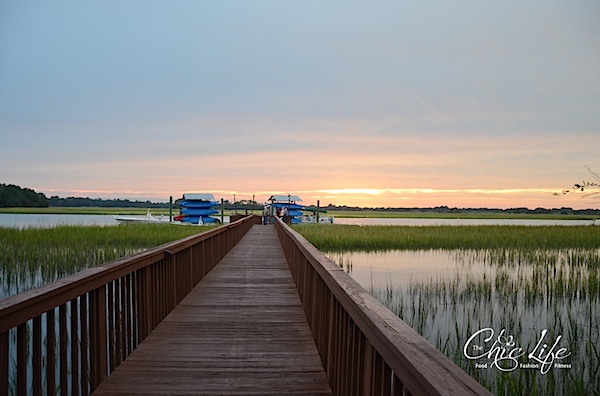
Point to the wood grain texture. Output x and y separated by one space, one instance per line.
242 330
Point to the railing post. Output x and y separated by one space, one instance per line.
149 307
50 353
62 325
98 355
4 363
74 349
22 359
84 315
37 356
174 287
192 275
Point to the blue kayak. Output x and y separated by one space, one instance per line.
288 205
198 211
191 219
188 203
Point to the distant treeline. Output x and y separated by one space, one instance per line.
12 196
79 202
75 202
446 209
15 196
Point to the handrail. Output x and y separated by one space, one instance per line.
71 334
364 347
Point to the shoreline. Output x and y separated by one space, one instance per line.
483 214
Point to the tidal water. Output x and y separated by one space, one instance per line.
10 220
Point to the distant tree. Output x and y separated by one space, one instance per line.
586 186
15 196
55 201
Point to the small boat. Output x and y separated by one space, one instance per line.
149 218
314 219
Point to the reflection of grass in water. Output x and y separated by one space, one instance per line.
522 292
32 257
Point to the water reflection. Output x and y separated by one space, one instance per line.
395 267
547 296
10 220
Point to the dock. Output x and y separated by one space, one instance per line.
241 331
244 308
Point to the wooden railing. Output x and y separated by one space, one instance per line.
364 347
67 336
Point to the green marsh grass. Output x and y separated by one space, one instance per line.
520 278
553 290
32 257
439 215
371 238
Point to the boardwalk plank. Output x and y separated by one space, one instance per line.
242 330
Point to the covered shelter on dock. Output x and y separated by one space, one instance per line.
286 206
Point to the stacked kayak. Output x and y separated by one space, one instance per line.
198 209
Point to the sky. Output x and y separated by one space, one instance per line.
376 104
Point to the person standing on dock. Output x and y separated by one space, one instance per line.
266 215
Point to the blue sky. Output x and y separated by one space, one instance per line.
387 104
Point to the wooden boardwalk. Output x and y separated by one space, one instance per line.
242 330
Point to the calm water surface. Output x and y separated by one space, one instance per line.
396 267
52 220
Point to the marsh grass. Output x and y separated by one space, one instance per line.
372 238
32 257
522 293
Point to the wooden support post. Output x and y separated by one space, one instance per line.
222 209
74 348
37 356
22 359
4 364
50 354
63 344
318 210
